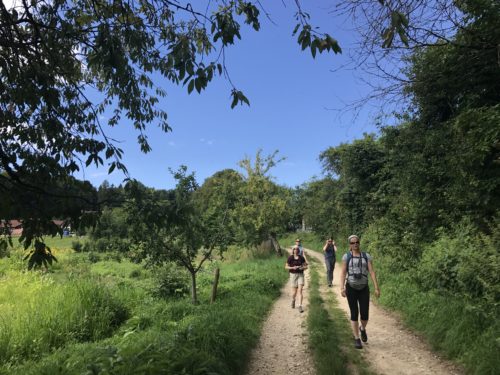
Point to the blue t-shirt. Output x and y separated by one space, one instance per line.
330 251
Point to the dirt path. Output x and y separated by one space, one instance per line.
283 348
391 348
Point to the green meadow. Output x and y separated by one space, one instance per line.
107 315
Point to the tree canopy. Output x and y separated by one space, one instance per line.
66 63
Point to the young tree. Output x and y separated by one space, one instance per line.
262 210
173 229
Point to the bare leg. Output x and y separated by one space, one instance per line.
364 323
300 294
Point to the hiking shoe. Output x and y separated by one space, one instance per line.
301 310
330 285
293 303
363 335
357 344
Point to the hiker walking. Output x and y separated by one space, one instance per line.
356 265
302 253
296 264
329 251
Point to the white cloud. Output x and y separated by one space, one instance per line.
208 142
98 174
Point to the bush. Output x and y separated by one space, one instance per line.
464 263
114 256
77 246
93 257
458 276
4 249
87 246
171 281
135 274
102 245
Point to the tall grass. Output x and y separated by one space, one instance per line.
174 336
458 331
39 315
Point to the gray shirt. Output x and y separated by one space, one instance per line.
356 266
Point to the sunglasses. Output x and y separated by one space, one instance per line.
354 243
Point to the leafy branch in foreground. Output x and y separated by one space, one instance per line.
73 69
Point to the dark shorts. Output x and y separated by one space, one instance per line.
359 302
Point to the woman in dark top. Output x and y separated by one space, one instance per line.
296 264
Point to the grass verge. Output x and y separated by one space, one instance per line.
450 325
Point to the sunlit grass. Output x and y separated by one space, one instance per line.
103 315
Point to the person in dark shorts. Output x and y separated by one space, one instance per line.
296 264
356 265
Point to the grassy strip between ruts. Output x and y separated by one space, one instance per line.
330 337
172 336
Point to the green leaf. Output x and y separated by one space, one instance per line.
190 86
314 45
235 100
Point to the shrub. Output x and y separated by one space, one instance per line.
94 258
77 246
87 246
171 281
115 256
102 245
135 274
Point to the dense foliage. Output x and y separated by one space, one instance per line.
424 194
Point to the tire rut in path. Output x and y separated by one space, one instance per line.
283 347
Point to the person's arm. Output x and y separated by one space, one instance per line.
343 272
289 267
304 254
374 278
325 247
305 265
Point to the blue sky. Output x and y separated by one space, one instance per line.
291 96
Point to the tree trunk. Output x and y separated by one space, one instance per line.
216 283
276 245
194 297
